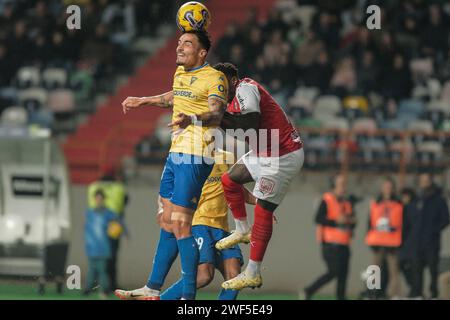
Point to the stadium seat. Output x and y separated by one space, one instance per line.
437 111
410 108
364 124
61 101
327 107
28 77
397 124
434 88
33 99
420 92
308 93
54 78
14 116
421 69
356 102
337 123
398 147
429 151
421 126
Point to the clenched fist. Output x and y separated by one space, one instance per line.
131 103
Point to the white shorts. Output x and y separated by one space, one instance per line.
273 175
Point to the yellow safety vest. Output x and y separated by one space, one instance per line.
114 195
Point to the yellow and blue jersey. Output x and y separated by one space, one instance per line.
191 90
212 208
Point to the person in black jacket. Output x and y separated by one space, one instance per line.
338 219
430 218
406 253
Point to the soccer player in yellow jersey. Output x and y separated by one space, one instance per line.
210 224
198 99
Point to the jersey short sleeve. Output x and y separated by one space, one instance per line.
218 86
248 97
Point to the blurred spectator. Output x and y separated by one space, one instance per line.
98 50
435 35
40 20
319 73
343 81
307 52
368 73
116 201
275 48
6 67
397 79
336 220
275 23
325 27
225 43
406 253
430 218
19 45
97 244
384 234
254 44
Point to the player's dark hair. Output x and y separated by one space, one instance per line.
203 38
228 69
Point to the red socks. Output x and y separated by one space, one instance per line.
261 233
234 193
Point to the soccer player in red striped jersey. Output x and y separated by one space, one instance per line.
276 157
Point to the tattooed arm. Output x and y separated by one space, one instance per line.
164 100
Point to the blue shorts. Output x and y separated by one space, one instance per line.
206 238
183 178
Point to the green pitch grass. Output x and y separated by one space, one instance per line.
28 291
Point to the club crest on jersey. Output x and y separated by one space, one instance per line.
193 80
266 186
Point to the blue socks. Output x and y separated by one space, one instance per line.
189 256
165 255
228 294
174 292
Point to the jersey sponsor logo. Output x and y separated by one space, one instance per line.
214 179
241 102
193 79
266 185
183 93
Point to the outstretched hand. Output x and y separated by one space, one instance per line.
131 103
182 121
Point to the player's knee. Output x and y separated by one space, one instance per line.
204 278
181 224
233 270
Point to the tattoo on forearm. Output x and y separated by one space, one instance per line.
214 117
165 103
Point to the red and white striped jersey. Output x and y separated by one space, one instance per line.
252 97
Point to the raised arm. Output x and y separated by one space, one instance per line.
164 100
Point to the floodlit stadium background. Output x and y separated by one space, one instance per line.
367 103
